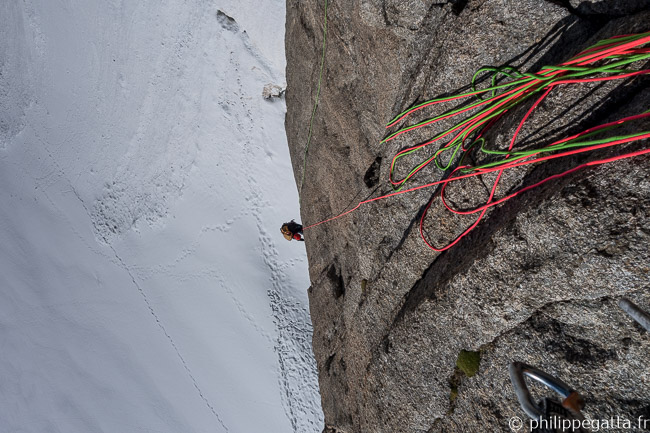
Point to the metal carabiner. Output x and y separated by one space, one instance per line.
518 370
635 313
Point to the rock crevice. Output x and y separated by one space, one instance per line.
538 279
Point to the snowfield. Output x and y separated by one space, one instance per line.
144 284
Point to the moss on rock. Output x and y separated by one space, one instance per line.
468 362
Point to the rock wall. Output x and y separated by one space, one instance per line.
539 278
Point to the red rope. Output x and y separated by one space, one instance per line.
468 127
519 164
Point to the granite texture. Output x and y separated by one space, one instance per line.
539 278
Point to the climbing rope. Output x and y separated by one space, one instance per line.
313 112
523 88
609 59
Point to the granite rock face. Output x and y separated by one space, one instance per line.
539 278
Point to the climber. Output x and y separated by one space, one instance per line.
292 230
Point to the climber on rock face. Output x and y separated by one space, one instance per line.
292 230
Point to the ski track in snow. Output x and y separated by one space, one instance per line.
120 262
209 274
155 169
171 341
293 345
52 178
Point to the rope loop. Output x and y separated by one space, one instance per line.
608 60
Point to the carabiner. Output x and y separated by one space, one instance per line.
635 312
572 399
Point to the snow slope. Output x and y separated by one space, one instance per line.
144 284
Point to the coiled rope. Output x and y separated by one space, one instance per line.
609 59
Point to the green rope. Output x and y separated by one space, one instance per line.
313 112
524 86
519 155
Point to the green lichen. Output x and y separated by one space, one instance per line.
468 362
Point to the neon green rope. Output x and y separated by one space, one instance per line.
313 112
524 86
